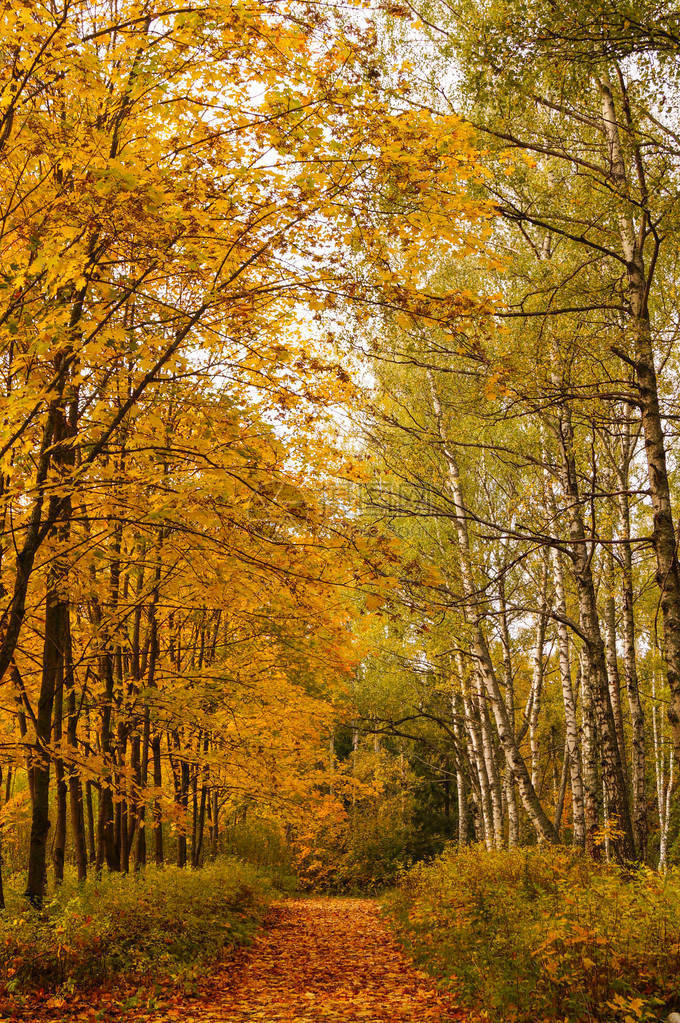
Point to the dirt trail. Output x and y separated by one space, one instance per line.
321 960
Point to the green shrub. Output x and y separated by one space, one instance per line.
167 918
262 843
526 935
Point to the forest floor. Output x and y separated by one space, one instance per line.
320 960
316 960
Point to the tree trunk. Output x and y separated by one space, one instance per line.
51 672
581 558
591 783
473 729
538 676
570 720
492 773
215 824
539 819
637 717
51 684
92 845
509 684
140 849
74 782
157 812
59 845
613 678
562 791
633 238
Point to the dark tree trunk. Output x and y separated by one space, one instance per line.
92 844
40 822
157 814
51 683
59 844
74 780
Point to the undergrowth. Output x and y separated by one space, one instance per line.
166 919
524 935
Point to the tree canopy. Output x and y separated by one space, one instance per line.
338 349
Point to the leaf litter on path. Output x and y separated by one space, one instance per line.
323 960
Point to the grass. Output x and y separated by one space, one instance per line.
174 921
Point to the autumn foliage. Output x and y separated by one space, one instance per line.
182 192
159 923
338 513
526 936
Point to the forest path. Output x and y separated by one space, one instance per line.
320 960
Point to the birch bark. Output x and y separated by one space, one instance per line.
540 821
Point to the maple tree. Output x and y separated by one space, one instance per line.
178 187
